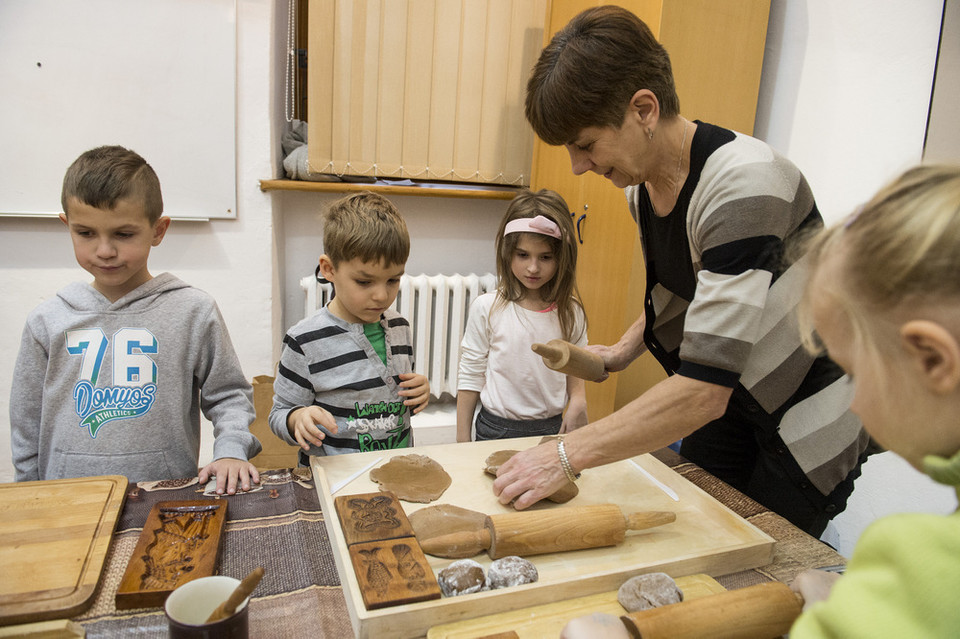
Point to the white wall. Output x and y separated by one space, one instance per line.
844 94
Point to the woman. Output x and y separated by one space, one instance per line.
714 209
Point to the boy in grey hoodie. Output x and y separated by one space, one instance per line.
111 376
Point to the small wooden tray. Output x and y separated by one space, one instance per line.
180 542
372 517
548 620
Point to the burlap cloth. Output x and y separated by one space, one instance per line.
795 550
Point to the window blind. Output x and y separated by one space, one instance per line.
422 89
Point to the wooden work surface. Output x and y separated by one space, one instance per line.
706 538
54 536
547 620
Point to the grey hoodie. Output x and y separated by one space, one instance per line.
105 388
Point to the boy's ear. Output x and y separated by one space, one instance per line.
63 218
934 353
160 229
326 267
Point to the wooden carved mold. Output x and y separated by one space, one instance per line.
390 566
179 543
372 517
393 572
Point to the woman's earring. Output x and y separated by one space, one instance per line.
650 133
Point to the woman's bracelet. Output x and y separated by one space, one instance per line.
564 462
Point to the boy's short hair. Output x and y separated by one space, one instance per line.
591 69
102 176
365 226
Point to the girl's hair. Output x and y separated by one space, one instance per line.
365 226
901 249
562 289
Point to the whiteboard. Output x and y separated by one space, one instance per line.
155 76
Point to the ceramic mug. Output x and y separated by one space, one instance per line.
189 606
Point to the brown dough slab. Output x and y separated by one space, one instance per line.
415 478
497 459
444 519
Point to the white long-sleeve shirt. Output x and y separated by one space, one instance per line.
496 359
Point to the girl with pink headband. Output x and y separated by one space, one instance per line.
536 301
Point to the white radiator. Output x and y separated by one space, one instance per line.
436 307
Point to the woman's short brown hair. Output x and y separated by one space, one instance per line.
591 69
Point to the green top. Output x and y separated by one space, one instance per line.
902 580
375 334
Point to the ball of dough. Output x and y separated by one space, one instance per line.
644 592
461 578
511 571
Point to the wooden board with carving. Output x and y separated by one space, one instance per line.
392 572
372 517
389 564
179 543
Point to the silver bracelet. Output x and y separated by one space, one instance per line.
564 462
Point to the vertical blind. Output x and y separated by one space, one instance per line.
422 89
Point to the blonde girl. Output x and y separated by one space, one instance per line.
884 299
536 301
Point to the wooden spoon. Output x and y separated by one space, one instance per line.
241 592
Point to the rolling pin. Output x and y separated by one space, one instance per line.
544 531
756 612
570 359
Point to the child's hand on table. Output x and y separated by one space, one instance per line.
231 474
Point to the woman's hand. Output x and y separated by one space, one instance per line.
620 355
529 476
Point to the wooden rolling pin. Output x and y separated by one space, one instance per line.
542 531
756 612
570 359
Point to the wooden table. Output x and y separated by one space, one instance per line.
281 527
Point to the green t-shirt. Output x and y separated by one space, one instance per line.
374 333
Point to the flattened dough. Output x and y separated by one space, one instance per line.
444 519
415 478
495 460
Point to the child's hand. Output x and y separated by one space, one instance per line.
230 472
814 585
572 422
302 424
416 388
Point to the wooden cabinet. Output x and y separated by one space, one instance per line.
716 49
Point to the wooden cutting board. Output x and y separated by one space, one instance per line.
54 536
707 537
547 620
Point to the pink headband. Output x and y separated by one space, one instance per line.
540 224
